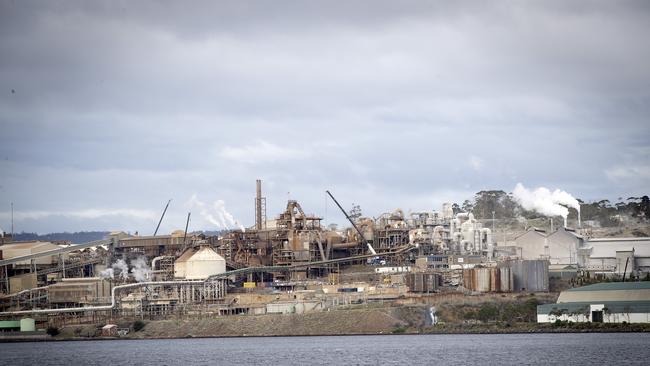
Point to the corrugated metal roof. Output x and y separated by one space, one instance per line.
647 239
27 245
202 254
533 230
563 230
614 286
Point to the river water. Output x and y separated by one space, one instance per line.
462 349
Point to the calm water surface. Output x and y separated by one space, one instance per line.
510 349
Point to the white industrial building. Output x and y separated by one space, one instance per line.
199 263
19 249
612 302
559 248
614 254
564 247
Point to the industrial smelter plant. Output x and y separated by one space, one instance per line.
289 264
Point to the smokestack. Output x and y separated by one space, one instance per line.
258 205
579 221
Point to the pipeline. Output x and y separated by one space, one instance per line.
345 245
209 279
101 307
155 260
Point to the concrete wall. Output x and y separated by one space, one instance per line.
300 307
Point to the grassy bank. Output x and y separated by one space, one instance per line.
476 315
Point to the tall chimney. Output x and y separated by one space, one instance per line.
258 205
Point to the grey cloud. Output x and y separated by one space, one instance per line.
123 105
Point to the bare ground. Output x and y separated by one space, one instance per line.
371 321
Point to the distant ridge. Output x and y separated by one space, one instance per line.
75 238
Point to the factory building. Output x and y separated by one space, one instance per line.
19 249
565 248
80 291
531 244
611 302
560 247
612 255
153 246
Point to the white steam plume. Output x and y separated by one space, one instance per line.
216 214
544 201
140 270
118 267
122 267
107 273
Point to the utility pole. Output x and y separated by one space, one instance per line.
12 219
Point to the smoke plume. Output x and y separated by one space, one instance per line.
140 270
107 273
216 213
118 268
544 201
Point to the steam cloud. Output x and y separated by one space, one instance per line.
140 270
216 214
118 268
544 201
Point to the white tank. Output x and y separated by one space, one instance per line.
447 211
200 263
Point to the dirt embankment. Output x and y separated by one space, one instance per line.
455 314
371 321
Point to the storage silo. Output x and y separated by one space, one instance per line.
529 275
199 263
505 279
482 279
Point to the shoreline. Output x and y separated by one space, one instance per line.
474 330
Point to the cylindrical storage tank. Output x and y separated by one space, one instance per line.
529 275
204 263
483 279
27 325
505 279
467 279
495 283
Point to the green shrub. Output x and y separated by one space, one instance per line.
487 312
52 330
138 325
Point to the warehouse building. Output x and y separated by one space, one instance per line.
564 248
612 255
559 248
612 302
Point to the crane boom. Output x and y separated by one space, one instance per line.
161 218
363 238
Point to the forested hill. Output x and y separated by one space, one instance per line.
76 238
83 236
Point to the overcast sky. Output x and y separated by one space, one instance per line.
109 109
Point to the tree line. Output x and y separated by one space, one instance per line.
504 206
